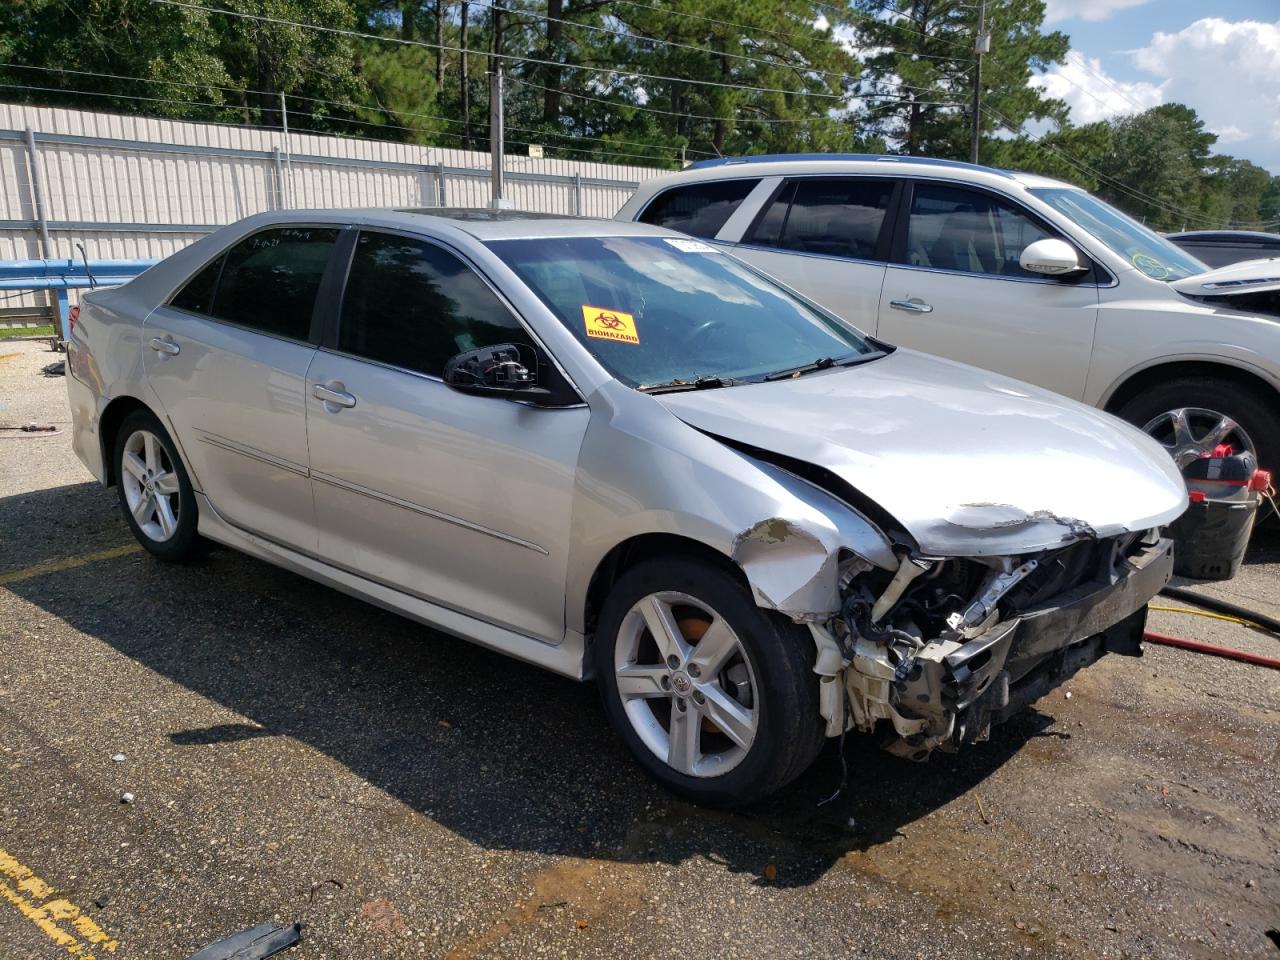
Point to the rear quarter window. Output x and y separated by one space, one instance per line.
699 209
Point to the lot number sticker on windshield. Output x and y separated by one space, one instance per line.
690 246
605 324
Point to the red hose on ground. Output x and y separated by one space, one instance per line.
1209 648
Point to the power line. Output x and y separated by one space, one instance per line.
324 116
344 104
360 35
700 116
632 35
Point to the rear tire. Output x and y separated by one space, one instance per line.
725 713
155 492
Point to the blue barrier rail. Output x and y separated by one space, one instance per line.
63 275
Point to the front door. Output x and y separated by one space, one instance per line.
956 289
228 358
458 499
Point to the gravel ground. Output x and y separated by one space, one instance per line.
294 754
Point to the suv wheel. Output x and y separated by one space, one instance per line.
1191 416
715 697
155 492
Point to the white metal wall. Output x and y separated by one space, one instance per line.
128 187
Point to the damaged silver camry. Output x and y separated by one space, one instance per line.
613 451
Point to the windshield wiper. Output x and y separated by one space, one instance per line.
823 363
699 383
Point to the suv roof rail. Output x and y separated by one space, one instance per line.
879 157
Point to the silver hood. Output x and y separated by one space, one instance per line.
970 463
1249 276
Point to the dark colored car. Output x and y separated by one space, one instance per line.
1220 248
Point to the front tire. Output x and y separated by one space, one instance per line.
716 698
155 492
1192 415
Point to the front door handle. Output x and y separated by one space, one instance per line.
165 346
334 395
914 305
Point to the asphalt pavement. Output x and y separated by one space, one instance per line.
292 754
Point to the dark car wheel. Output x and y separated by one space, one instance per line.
155 492
716 697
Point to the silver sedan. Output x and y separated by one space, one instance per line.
614 451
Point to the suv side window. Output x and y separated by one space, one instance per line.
834 217
412 304
953 228
699 209
266 282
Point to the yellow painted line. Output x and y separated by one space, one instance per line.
70 563
25 893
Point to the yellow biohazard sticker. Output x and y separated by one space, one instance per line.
605 324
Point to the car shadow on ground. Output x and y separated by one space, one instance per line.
504 754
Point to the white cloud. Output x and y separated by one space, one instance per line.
1229 73
1094 95
1093 10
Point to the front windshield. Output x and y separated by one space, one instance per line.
668 310
1151 253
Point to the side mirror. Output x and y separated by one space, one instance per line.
1051 257
496 371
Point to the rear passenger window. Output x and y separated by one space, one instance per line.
197 295
270 280
414 305
837 217
952 228
700 209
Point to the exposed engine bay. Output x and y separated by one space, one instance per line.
934 653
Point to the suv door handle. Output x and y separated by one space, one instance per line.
333 395
165 345
914 305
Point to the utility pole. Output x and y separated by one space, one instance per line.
981 45
288 153
498 201
466 83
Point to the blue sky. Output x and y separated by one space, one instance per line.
1222 59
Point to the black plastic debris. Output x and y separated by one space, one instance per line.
264 940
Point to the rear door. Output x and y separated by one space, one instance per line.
459 499
228 358
956 289
827 237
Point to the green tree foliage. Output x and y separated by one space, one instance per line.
922 64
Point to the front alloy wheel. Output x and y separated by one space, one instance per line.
716 697
686 684
1189 433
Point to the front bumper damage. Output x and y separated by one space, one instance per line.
953 688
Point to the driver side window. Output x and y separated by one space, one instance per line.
952 228
412 304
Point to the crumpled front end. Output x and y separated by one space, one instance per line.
935 653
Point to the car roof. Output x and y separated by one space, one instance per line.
479 222
791 164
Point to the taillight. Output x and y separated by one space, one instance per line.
72 316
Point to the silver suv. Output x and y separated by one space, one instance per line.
1030 277
608 449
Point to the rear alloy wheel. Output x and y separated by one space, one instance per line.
716 697
155 493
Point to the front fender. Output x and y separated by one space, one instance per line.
785 534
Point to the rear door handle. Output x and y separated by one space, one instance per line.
333 395
914 305
165 345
